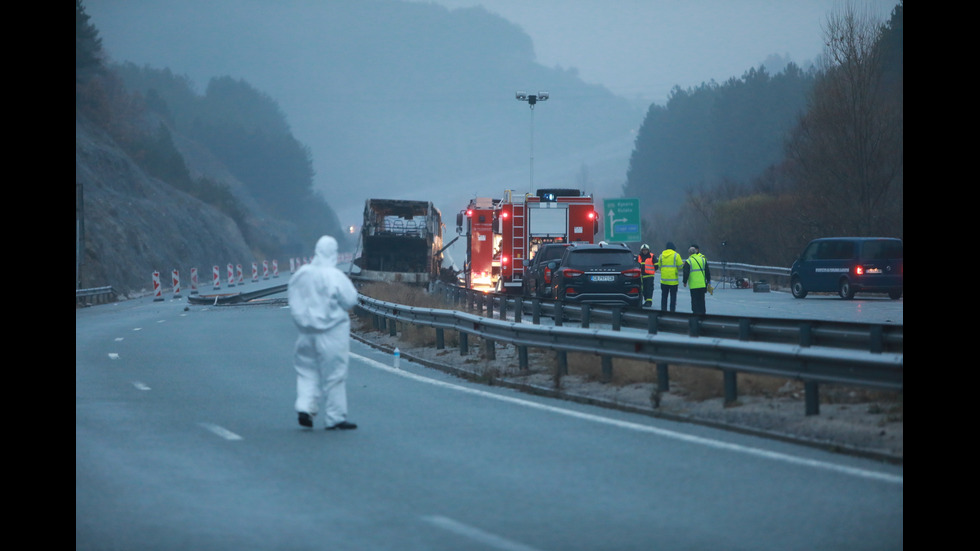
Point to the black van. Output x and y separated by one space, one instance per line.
849 265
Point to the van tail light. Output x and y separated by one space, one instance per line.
569 272
547 275
631 273
859 270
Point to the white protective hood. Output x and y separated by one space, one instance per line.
320 295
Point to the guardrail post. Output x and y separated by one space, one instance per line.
617 319
440 338
731 386
652 322
518 309
489 349
694 326
562 368
503 308
806 335
559 313
811 397
877 337
586 315
606 369
744 329
522 358
536 311
464 345
489 301
663 378
393 327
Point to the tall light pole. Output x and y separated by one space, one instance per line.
531 100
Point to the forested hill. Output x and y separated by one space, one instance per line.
156 192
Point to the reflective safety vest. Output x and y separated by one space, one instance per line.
649 265
669 263
695 279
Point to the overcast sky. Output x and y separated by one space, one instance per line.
640 49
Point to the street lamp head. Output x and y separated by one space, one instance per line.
531 99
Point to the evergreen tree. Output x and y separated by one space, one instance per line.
88 45
713 134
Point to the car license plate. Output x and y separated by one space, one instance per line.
602 278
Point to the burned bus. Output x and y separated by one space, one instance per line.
400 241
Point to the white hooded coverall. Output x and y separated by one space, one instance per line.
320 297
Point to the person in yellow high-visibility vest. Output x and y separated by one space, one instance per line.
669 262
648 269
697 277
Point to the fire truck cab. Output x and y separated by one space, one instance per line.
504 233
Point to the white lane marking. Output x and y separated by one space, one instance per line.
118 339
221 431
113 356
862 473
140 386
475 534
137 329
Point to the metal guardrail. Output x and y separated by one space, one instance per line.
95 295
722 267
230 299
811 365
872 337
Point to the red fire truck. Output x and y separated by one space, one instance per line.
503 233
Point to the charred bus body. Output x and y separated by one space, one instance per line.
401 241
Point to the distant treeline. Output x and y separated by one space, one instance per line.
766 162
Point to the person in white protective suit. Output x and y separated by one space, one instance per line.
320 297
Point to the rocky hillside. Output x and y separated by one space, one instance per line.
135 225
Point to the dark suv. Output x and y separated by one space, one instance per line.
538 270
598 274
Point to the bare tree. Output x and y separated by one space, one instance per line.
848 146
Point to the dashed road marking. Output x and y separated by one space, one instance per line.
221 431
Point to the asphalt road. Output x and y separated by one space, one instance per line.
186 439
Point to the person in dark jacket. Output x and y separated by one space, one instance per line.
648 270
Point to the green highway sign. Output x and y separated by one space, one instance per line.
622 219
